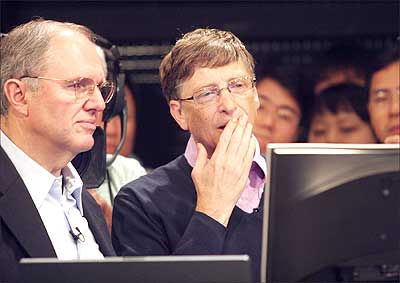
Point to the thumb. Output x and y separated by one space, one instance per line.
201 159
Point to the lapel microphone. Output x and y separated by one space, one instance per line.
77 236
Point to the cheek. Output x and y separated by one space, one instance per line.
114 127
367 134
378 122
130 130
289 134
261 116
287 128
377 114
251 107
199 120
47 114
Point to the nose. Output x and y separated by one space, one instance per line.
227 102
332 137
95 101
269 120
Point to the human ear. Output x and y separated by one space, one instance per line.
15 92
175 108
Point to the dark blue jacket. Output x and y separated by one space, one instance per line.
155 215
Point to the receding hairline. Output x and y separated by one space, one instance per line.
63 33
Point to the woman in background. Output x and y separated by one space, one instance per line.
340 115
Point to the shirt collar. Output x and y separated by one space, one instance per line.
73 184
37 179
191 155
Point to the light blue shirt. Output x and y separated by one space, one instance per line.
59 203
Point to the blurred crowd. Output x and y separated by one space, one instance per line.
347 96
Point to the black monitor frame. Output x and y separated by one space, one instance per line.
331 207
143 269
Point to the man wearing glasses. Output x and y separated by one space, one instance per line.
52 90
208 200
384 96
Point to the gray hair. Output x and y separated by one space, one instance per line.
23 51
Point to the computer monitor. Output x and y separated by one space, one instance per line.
332 213
147 269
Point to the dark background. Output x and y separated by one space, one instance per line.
295 32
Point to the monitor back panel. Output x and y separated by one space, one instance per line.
150 269
327 205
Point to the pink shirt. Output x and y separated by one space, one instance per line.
251 195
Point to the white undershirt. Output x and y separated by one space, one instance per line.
59 203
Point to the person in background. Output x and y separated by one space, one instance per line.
53 88
208 200
340 116
125 167
121 167
344 62
384 96
114 128
280 114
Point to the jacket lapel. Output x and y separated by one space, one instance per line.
97 224
19 213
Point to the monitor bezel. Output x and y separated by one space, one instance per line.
274 149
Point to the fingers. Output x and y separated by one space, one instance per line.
235 132
248 160
240 141
238 136
225 137
392 139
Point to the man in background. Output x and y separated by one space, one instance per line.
52 90
384 96
279 118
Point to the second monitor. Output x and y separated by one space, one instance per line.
332 213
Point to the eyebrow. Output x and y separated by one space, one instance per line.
385 89
215 84
205 86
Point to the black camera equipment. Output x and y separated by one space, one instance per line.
92 165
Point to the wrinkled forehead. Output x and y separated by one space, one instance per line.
214 75
73 54
388 76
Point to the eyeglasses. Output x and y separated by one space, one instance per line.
238 87
384 97
84 87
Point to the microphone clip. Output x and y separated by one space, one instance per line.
77 236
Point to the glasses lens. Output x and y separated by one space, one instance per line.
240 86
107 91
84 87
206 96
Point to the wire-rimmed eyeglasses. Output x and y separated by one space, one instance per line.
84 87
238 87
